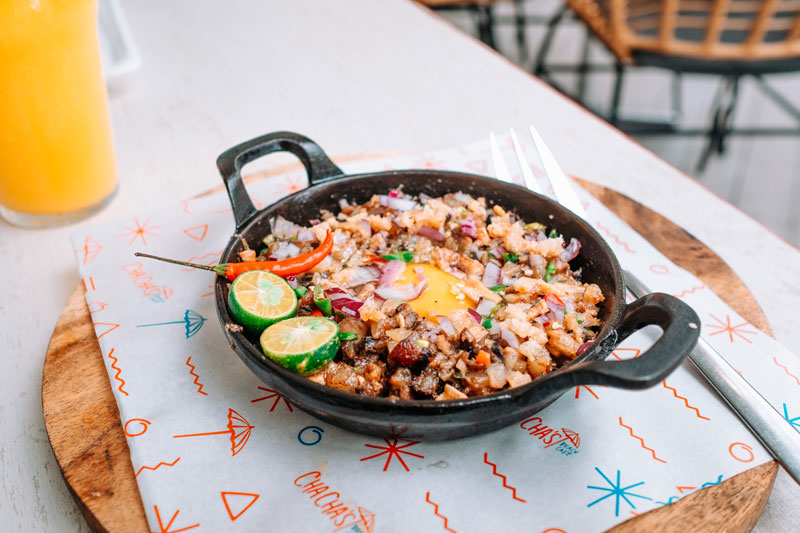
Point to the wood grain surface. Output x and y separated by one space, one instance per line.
87 437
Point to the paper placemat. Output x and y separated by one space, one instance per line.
215 449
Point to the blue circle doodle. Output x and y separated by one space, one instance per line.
318 431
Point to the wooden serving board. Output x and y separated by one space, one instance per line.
87 437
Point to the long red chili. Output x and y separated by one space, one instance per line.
285 267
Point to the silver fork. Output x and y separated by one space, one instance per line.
766 423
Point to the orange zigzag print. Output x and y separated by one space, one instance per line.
162 463
501 476
685 401
119 371
690 291
196 377
436 512
615 237
651 450
775 360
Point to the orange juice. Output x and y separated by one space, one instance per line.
56 156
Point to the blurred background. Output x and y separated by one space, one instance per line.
711 86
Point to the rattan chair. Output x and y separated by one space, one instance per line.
728 38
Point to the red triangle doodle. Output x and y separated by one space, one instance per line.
197 233
109 327
683 489
240 497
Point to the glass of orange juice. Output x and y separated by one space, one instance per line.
56 155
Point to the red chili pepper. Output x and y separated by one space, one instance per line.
316 312
283 268
373 259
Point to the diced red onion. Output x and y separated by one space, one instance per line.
431 233
474 314
555 304
484 307
468 228
305 235
568 307
542 319
419 270
343 302
401 204
540 236
582 348
447 327
498 252
509 337
282 228
362 275
343 203
292 281
406 292
423 198
495 329
462 197
284 250
340 237
365 227
572 249
390 272
422 277
491 275
529 237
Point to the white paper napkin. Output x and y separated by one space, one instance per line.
214 449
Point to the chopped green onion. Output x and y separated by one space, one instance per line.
347 336
487 322
322 302
510 257
553 234
269 239
490 254
536 226
580 321
263 251
422 343
300 291
402 255
549 271
498 288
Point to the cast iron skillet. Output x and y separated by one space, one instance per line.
429 419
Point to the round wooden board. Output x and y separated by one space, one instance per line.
87 437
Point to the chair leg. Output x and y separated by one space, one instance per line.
583 66
613 115
519 22
721 122
485 16
539 65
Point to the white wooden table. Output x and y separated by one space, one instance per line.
357 76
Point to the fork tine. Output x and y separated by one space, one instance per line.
527 174
565 194
500 168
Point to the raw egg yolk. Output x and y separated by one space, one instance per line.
442 295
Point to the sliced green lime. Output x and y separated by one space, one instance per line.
302 344
258 299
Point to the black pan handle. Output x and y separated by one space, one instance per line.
318 166
681 329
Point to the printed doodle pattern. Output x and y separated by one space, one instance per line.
213 445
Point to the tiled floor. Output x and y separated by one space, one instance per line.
761 175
